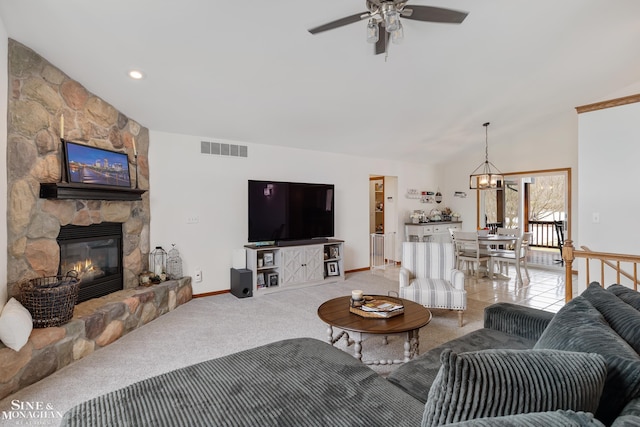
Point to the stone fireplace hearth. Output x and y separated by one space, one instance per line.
96 323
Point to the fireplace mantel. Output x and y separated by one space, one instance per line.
63 190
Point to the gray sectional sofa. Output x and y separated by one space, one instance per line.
526 367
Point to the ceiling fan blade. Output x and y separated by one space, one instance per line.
339 22
433 14
381 44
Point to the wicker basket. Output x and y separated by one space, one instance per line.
50 300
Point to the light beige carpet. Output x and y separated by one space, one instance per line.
215 326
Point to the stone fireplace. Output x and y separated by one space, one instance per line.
94 253
39 95
50 232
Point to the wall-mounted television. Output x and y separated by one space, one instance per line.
284 212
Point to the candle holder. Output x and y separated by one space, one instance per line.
158 261
357 298
135 163
356 303
63 161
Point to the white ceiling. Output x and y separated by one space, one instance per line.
249 71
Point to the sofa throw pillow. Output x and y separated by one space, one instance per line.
579 326
15 325
535 419
627 295
622 318
493 383
630 415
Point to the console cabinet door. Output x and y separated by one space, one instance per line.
292 266
314 261
302 264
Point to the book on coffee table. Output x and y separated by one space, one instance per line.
379 308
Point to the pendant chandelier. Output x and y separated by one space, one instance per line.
486 176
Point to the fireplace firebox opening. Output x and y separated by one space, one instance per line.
95 253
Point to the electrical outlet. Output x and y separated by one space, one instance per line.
198 275
193 219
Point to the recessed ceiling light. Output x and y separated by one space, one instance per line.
135 74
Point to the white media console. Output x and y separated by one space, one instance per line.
276 268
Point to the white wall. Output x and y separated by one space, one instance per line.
552 145
214 188
609 156
4 79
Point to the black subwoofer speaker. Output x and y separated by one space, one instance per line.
241 282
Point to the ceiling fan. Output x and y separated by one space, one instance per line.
384 20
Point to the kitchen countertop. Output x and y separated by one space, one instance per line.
433 222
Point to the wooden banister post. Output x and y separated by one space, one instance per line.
568 257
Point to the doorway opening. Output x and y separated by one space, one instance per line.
383 220
535 201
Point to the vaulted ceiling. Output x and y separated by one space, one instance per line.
251 72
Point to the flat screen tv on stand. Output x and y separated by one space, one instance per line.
290 213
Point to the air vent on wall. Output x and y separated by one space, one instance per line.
221 149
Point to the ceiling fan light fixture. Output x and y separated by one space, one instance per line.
372 32
391 19
397 36
387 14
486 176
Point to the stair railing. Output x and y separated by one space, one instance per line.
606 259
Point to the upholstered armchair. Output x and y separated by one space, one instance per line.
428 276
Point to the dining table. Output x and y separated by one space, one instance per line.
498 240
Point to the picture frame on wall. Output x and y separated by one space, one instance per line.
96 166
332 268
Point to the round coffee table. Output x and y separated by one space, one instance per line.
335 313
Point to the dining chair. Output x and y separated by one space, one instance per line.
468 250
429 276
517 256
451 230
502 231
559 228
507 231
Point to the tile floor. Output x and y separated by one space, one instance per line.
544 289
